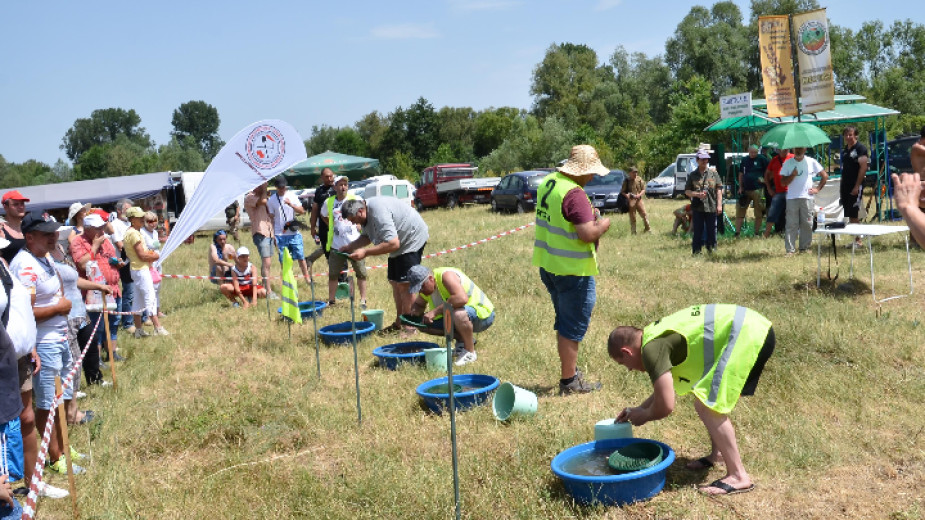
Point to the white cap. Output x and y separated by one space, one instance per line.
93 220
341 178
243 251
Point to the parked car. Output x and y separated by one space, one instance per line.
604 190
517 191
664 184
899 153
400 189
357 187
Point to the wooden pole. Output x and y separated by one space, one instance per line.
61 425
112 354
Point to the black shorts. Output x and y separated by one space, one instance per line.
851 204
401 264
752 382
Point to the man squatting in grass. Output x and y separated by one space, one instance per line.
717 352
395 229
472 310
242 281
565 250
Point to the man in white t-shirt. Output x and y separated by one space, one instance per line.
340 233
797 174
283 207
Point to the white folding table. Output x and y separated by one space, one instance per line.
868 231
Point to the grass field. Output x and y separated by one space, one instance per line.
226 418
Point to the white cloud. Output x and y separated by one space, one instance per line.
405 31
605 5
484 5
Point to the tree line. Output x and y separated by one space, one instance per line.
635 109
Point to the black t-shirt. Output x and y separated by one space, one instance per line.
753 172
321 195
15 245
850 166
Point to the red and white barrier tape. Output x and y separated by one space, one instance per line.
28 510
380 266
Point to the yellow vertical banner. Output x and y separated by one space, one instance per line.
777 65
814 54
289 293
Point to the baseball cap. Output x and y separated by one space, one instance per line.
280 182
14 195
35 222
416 276
94 220
243 251
703 155
340 178
134 212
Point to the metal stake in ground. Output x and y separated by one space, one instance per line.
356 363
311 283
112 356
61 425
450 350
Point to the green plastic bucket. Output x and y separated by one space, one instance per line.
375 316
511 401
343 291
436 359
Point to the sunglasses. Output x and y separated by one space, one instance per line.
150 222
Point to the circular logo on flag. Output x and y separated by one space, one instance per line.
265 147
813 37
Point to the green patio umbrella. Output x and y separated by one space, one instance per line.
794 135
342 164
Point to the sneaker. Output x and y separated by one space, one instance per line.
129 330
147 322
161 331
578 385
80 395
87 418
22 492
140 333
60 467
273 296
235 304
363 305
49 491
117 356
76 455
466 358
105 383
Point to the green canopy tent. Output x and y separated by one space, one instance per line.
355 168
848 109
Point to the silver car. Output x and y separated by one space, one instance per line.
664 184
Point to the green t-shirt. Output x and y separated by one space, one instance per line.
708 181
660 354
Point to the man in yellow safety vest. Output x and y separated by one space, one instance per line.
565 250
716 352
472 310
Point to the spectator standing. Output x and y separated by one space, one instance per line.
635 190
14 204
93 245
255 204
233 218
396 229
565 250
854 163
153 241
751 188
797 173
284 207
777 190
140 258
340 233
75 219
319 228
120 226
705 189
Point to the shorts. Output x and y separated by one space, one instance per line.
778 205
217 271
478 325
851 204
752 382
337 263
756 196
264 245
248 290
26 368
293 243
400 265
573 299
56 361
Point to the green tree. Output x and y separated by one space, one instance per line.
421 131
563 83
175 157
321 140
401 165
348 141
103 126
492 127
195 123
372 128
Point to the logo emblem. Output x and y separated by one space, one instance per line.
813 37
265 147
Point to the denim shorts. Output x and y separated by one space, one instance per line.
573 299
56 361
478 325
264 245
293 243
778 205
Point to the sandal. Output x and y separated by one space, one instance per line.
727 489
700 464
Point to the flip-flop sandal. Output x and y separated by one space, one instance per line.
704 462
728 490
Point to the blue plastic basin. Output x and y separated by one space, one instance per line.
342 333
619 490
484 386
307 308
391 356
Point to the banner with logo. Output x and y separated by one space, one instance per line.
777 65
736 105
814 55
255 155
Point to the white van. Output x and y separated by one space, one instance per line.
398 188
687 162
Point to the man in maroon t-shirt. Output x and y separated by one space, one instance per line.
777 190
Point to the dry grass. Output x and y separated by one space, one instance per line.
835 430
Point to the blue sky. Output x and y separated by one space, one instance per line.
308 63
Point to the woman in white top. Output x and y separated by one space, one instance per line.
152 240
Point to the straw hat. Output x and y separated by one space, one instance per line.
583 160
76 208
